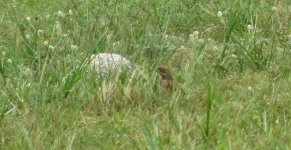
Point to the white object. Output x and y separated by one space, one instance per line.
250 27
106 63
219 14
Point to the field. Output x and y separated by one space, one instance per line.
230 62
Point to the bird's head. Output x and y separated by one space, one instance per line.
164 72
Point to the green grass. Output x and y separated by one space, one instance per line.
234 82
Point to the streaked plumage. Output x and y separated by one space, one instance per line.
166 81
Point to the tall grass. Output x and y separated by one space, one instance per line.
230 69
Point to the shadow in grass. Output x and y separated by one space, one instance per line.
4 111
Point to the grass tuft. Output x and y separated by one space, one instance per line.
230 75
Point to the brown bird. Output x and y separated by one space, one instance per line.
166 81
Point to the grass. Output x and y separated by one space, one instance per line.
233 75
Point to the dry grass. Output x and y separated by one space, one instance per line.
232 73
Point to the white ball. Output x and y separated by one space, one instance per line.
105 64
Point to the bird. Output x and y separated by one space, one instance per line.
166 81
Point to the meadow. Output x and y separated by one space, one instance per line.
230 61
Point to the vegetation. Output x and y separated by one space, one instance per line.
230 61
